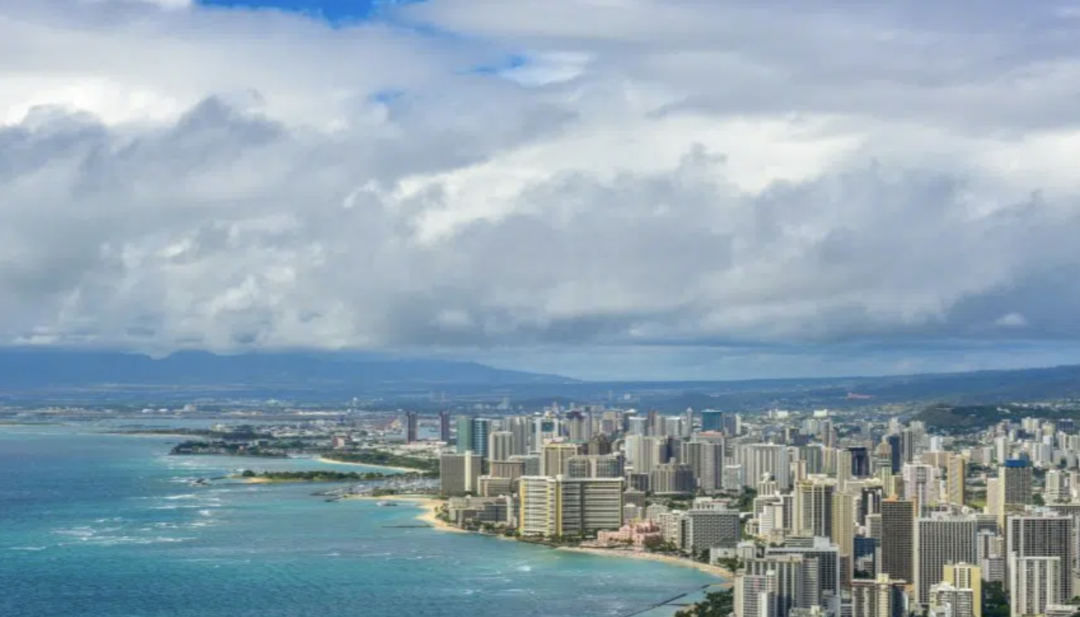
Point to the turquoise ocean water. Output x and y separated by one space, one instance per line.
109 526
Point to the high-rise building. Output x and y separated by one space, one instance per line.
671 479
599 444
880 597
705 529
826 556
966 576
1034 584
530 462
444 427
520 427
556 457
706 459
793 580
956 479
638 425
642 452
712 420
500 445
1044 536
896 452
481 429
814 506
412 427
920 484
753 597
1055 487
843 534
897 538
459 474
758 459
464 436
948 599
595 466
939 541
511 470
1014 482
569 507
860 462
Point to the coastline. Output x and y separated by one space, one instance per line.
330 461
716 571
429 505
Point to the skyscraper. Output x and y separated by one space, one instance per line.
880 597
897 539
500 445
569 507
1014 482
1044 536
706 459
939 541
957 477
1034 584
712 420
860 462
556 457
464 436
481 429
459 474
948 599
814 506
444 427
412 423
966 576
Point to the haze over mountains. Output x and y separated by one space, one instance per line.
320 376
23 368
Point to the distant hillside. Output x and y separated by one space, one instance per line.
969 418
34 368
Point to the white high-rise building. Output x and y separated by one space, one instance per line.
758 459
1034 584
939 541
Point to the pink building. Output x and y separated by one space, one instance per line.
635 534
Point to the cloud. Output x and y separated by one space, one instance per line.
675 175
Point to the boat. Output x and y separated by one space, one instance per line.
386 503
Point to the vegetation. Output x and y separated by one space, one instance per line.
312 476
732 564
746 500
716 604
426 466
969 418
225 448
995 600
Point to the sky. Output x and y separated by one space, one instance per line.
601 188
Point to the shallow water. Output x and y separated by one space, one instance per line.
105 525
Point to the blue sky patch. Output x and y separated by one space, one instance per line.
331 10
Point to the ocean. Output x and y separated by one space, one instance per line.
103 525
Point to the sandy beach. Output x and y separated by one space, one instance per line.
330 461
430 507
668 559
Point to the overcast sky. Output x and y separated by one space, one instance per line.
601 188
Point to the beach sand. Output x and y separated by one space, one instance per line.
430 507
668 559
330 461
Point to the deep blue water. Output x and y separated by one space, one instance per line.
108 526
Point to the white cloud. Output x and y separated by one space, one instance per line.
677 172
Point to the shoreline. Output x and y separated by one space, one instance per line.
330 461
716 571
429 505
